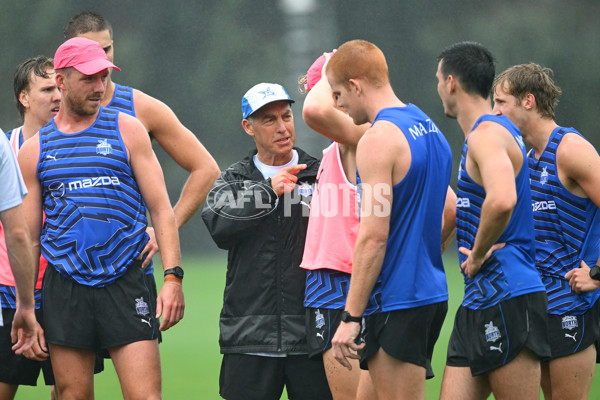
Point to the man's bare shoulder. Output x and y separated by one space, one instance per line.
30 148
131 127
386 132
145 101
154 114
489 133
577 157
383 143
572 145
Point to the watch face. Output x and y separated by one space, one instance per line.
345 316
177 271
595 272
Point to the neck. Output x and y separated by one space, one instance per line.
537 133
30 127
470 108
378 99
269 159
109 93
68 121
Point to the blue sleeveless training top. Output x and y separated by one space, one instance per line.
412 273
510 271
95 216
567 230
122 100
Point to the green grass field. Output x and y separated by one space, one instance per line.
190 350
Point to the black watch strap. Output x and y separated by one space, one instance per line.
595 272
346 317
177 271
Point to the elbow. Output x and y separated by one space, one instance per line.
449 218
214 172
18 238
376 242
209 171
504 205
312 113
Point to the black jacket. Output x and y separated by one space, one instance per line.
264 235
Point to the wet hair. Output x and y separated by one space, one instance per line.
39 66
520 80
471 64
87 21
358 59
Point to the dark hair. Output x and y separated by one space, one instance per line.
471 64
87 21
39 66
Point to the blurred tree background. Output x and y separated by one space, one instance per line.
201 56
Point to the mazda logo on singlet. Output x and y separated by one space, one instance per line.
94 182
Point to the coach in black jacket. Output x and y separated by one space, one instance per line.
258 211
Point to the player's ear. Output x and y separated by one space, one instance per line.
248 127
24 98
451 82
356 84
529 101
60 80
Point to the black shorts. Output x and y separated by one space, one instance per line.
570 334
408 335
18 369
248 377
109 316
487 339
321 324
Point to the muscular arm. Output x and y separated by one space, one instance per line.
377 176
377 157
184 148
32 204
149 177
489 164
25 259
320 114
578 165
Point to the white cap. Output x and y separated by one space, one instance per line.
261 95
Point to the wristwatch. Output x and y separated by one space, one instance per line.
346 317
595 272
177 271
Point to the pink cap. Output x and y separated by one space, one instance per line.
314 72
85 55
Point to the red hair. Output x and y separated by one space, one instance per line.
358 59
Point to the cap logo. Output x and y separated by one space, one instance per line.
267 92
262 94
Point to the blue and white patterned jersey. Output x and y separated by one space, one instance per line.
510 271
95 215
567 230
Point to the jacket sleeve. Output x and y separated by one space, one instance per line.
233 208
